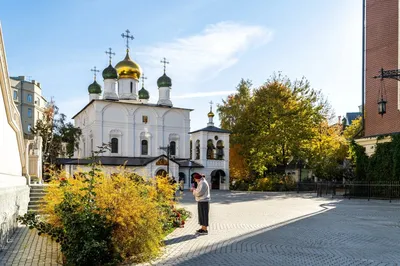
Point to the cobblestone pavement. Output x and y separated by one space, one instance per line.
288 229
263 229
27 248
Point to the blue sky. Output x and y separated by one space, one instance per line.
211 45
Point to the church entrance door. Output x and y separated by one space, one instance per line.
217 177
215 180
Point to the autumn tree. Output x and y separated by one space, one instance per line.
238 168
278 123
328 150
56 134
273 124
354 129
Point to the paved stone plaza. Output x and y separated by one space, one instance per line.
264 229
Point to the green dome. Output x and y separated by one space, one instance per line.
164 81
94 88
144 94
110 73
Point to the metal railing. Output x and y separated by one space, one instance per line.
387 190
373 190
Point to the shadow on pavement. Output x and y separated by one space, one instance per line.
348 232
179 239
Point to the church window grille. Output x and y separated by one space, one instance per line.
145 147
131 87
29 112
210 149
172 148
29 98
114 145
145 119
198 150
220 150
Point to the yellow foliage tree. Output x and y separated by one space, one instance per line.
238 168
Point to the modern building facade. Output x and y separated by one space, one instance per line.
27 96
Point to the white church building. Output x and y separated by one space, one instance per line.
147 138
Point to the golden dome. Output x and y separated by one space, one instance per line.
128 68
210 114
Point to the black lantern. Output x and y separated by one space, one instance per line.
385 74
382 106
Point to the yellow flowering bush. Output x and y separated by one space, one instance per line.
139 213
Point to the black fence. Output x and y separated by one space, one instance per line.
387 190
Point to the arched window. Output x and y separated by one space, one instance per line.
145 147
114 145
197 149
210 149
172 148
191 147
220 150
131 87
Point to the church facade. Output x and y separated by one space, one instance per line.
147 138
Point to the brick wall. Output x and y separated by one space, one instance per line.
381 52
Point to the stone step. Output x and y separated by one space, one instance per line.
43 190
33 208
36 198
34 203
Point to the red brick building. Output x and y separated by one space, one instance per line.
381 51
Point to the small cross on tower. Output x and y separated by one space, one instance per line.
165 62
110 54
94 70
127 36
211 103
143 78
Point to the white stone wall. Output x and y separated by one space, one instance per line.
14 193
211 165
103 120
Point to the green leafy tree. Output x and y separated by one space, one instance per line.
231 110
284 114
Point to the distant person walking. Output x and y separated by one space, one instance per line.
202 196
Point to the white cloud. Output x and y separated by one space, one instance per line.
202 94
205 54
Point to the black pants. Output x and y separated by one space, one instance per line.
203 209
